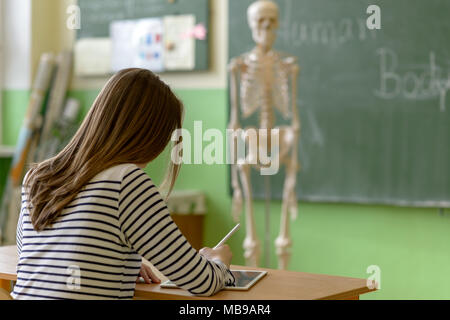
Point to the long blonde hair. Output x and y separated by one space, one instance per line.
131 121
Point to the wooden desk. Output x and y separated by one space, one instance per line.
276 285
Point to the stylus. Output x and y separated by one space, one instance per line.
228 236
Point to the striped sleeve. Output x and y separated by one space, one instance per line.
150 231
19 230
23 207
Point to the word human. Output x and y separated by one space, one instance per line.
334 33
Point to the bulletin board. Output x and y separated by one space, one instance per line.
374 104
97 18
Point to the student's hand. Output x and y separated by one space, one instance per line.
222 253
147 274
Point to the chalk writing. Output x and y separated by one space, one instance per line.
326 32
428 83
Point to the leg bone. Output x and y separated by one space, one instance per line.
251 243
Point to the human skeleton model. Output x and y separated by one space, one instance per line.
262 80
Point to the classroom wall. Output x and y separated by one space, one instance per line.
16 38
408 244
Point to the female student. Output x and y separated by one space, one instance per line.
90 213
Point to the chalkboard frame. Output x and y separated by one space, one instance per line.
199 8
414 182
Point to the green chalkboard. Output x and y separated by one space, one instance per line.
374 104
96 16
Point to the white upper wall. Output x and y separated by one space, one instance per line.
21 53
16 29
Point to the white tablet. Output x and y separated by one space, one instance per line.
245 279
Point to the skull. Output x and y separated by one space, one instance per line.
263 20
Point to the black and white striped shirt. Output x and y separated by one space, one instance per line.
94 249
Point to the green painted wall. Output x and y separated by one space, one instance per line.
410 245
15 104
